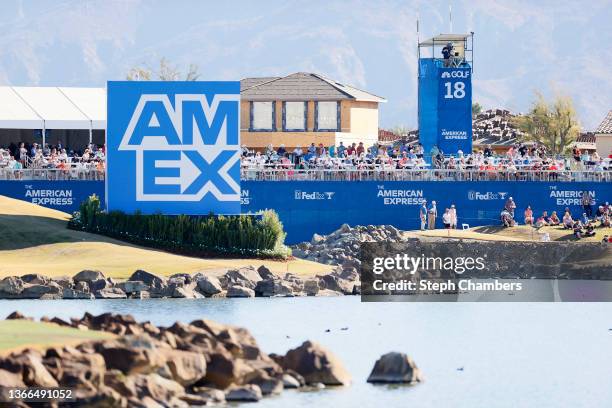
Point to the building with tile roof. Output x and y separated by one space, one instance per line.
302 108
603 136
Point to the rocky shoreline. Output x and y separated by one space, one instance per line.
202 363
235 283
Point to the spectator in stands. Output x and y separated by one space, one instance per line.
585 219
297 154
423 215
432 214
332 151
341 150
529 216
577 227
281 151
360 149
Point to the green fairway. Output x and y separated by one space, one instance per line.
35 239
19 334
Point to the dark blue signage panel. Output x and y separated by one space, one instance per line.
455 110
173 147
308 207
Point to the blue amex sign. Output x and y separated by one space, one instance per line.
455 110
173 147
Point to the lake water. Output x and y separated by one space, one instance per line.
511 354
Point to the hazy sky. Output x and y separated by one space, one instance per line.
558 47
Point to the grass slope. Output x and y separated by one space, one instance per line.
19 334
35 239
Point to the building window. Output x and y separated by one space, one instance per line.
262 116
294 116
327 116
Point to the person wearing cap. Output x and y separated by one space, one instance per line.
423 215
453 216
446 218
281 151
432 214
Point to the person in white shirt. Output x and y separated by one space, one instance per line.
453 217
446 219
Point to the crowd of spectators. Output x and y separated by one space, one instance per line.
63 160
581 226
404 156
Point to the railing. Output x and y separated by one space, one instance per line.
51 174
285 174
289 174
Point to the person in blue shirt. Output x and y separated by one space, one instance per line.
332 151
341 150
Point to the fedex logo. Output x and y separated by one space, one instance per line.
177 146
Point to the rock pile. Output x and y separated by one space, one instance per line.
242 282
196 364
343 244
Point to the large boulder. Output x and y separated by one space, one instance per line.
36 291
395 367
78 370
9 379
130 287
110 293
212 395
157 387
64 281
186 367
68 293
99 284
235 291
29 365
133 354
337 284
224 370
245 393
265 273
273 287
11 285
316 365
209 285
311 287
247 277
88 276
35 279
154 282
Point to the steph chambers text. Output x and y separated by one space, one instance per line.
431 286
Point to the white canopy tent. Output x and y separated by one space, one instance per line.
52 108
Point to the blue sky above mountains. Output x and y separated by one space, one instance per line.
557 47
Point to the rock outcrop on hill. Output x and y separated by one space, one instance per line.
195 364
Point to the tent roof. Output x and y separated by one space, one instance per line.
442 39
52 108
15 113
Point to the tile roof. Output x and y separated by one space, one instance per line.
606 125
299 87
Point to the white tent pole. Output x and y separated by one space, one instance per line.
44 134
90 132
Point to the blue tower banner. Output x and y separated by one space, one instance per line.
173 147
445 107
455 110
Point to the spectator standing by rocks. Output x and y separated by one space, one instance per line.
446 218
432 214
423 215
453 216
510 206
586 203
